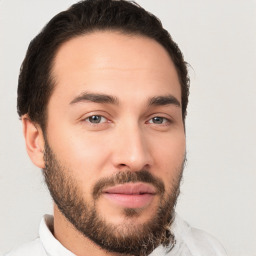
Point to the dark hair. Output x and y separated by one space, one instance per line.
35 82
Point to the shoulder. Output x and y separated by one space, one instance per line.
191 242
33 248
202 243
197 242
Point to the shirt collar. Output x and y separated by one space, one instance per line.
51 245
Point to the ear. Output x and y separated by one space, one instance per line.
34 141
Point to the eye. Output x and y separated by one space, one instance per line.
96 119
158 120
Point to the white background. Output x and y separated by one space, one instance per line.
218 39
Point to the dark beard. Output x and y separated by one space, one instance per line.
130 239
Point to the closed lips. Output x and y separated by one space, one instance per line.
131 189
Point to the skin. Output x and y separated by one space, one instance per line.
133 70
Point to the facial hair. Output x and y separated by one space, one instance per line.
130 239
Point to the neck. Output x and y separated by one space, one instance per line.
73 240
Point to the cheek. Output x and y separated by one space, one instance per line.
169 156
82 153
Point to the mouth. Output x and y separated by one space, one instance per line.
130 195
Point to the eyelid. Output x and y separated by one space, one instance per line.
95 113
160 114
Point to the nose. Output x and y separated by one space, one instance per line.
131 150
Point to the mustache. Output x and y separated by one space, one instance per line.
128 177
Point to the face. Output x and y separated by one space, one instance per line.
115 142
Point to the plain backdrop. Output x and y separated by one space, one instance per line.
218 194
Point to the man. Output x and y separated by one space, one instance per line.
102 95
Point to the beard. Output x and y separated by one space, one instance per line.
126 238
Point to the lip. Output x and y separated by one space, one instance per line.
130 195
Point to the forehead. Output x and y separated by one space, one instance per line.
115 63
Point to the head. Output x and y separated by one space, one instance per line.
103 92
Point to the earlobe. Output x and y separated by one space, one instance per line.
34 141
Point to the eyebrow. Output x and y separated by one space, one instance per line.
164 100
109 99
95 97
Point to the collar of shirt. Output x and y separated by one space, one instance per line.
51 245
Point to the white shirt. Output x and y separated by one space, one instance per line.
189 242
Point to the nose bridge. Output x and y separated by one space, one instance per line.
132 149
